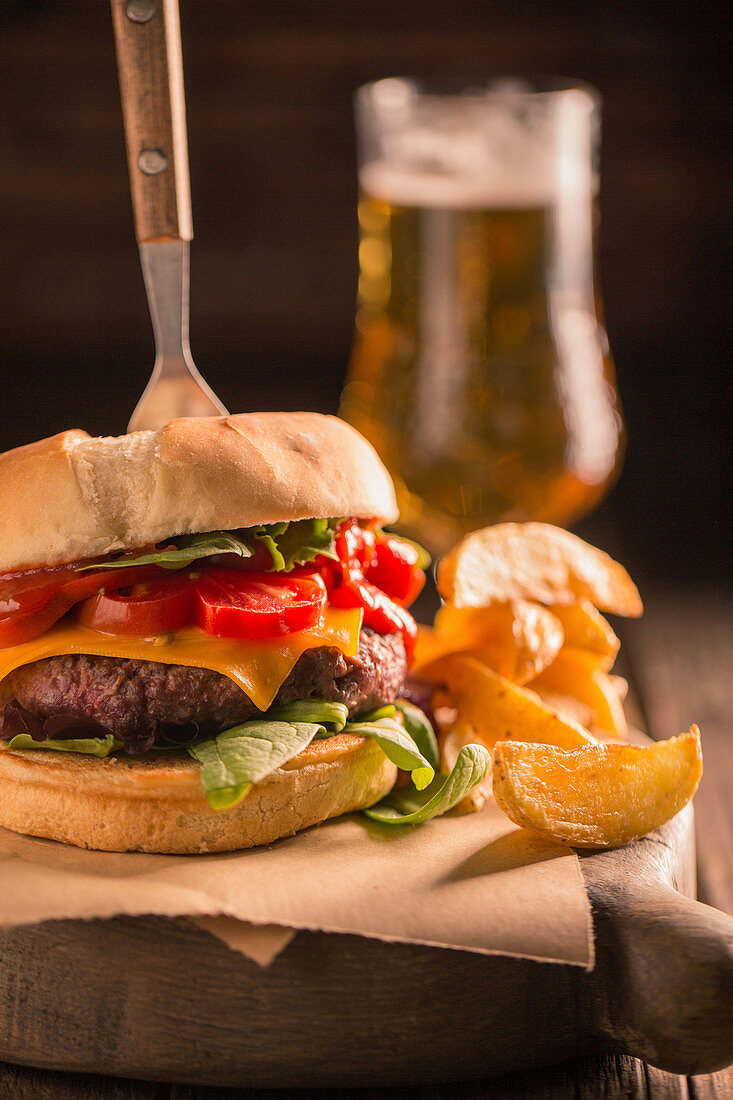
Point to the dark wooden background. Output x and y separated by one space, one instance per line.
269 86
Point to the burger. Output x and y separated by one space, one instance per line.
204 634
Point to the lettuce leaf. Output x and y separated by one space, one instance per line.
408 807
92 746
420 730
287 544
191 549
305 539
234 760
332 715
267 540
387 711
396 744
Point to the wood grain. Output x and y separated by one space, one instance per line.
713 1086
150 70
186 1008
681 653
610 1078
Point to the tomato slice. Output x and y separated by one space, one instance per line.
21 598
154 607
32 601
79 586
236 603
394 568
24 626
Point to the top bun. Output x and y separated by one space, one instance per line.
73 496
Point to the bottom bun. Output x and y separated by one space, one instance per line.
156 803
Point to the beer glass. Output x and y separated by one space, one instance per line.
480 367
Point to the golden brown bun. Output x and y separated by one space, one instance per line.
73 496
156 803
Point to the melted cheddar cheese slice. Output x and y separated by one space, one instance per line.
258 667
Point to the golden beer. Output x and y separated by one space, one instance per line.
480 369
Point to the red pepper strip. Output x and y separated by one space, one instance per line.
394 569
380 613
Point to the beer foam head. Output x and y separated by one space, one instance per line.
504 147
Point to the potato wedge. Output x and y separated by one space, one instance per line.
498 709
585 629
572 710
597 796
534 561
574 673
428 647
538 636
620 686
517 640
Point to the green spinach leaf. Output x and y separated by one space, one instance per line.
409 808
397 744
91 746
420 730
234 760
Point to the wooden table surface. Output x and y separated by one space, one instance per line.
678 659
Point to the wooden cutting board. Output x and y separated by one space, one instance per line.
160 999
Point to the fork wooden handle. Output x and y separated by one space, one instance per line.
148 44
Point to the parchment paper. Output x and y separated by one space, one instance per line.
474 882
260 942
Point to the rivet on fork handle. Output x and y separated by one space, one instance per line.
140 11
150 66
152 161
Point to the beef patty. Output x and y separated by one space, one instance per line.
135 699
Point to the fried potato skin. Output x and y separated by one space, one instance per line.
597 796
498 709
575 674
521 658
534 561
518 639
585 629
